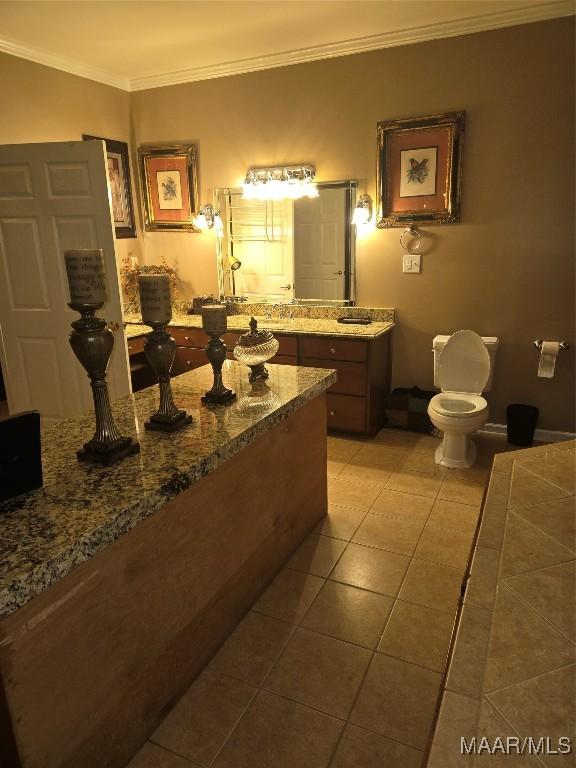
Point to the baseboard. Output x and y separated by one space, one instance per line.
540 436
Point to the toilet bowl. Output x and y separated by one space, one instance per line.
463 368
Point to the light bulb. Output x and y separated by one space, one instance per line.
361 215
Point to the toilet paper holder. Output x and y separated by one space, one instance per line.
563 344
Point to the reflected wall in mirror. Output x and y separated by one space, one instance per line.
280 250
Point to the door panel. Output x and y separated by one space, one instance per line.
53 197
320 245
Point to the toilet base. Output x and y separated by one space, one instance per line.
456 451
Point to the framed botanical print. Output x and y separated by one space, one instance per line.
419 170
169 187
119 185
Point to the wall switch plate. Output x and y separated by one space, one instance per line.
411 263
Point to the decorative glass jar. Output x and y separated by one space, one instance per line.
254 349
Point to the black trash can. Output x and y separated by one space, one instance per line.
521 423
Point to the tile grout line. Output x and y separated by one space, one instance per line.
512 511
258 690
568 665
537 612
507 722
545 479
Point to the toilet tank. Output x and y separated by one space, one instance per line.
491 343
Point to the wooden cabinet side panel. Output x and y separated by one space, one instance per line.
380 376
91 665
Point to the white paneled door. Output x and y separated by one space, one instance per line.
53 197
320 245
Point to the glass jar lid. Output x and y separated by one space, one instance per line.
254 337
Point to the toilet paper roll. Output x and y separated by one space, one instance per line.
548 354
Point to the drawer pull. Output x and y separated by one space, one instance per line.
332 350
186 338
129 348
332 413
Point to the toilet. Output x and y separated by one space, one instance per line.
463 366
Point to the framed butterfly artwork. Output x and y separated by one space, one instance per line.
419 170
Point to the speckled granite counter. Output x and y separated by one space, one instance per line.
512 671
309 326
82 508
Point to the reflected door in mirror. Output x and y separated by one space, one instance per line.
320 245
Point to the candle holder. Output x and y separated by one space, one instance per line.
92 342
216 354
160 349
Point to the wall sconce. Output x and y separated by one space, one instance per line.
206 218
278 183
363 211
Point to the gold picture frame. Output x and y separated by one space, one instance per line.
169 182
419 170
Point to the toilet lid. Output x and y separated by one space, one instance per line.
464 364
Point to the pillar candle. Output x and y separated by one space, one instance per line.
86 276
214 320
155 298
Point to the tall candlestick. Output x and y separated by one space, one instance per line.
86 276
155 298
214 320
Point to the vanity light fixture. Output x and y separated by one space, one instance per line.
363 211
278 183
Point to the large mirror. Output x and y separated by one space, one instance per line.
283 250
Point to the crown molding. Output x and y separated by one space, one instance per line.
64 64
482 23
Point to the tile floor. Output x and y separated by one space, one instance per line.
339 663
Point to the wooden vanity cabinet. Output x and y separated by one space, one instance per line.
355 403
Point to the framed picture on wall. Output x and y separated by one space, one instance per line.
419 170
169 187
119 184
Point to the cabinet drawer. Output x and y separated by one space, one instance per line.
189 337
346 412
352 377
187 359
334 349
136 345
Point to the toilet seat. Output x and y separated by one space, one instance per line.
464 364
458 405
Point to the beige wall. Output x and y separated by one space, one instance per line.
507 270
42 104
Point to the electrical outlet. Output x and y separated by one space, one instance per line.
411 263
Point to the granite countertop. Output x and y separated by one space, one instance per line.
511 671
295 326
82 507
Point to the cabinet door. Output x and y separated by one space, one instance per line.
346 412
